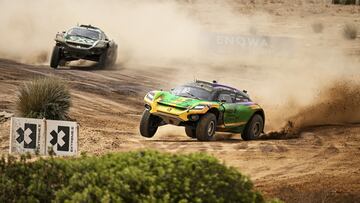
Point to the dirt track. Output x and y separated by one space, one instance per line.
323 164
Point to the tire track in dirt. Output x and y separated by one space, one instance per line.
109 121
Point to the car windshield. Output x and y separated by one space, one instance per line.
192 92
92 34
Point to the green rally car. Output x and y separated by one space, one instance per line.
203 108
83 42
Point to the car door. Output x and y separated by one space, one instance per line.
243 112
227 100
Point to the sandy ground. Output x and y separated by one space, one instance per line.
320 164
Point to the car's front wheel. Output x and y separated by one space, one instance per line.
113 57
149 124
103 60
206 127
55 57
108 58
190 131
254 128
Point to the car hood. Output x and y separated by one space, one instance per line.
169 99
79 40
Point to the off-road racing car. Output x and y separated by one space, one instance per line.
203 108
83 42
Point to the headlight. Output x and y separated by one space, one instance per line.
199 107
150 96
100 44
59 37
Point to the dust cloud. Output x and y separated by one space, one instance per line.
282 63
337 103
144 30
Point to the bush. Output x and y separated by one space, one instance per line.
44 98
350 31
144 176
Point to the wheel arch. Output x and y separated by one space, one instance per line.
216 112
261 113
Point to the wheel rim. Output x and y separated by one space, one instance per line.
256 129
211 128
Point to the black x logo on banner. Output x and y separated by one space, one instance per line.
61 138
27 135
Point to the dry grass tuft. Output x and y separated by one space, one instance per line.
44 98
350 31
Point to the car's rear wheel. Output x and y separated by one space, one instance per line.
149 124
55 57
254 128
190 131
206 127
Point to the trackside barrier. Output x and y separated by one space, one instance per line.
41 136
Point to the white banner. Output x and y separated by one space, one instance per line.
42 136
26 135
61 137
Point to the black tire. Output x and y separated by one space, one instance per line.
62 63
55 57
254 128
149 124
206 127
103 59
108 58
190 132
113 57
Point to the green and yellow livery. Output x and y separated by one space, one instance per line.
203 108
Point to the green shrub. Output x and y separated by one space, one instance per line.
44 98
144 176
350 31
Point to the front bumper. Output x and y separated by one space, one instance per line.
172 114
78 50
71 50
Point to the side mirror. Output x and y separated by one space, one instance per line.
63 32
245 91
223 101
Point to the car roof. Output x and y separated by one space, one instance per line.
216 85
89 27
